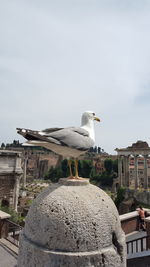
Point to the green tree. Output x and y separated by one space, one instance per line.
91 149
108 164
85 168
106 179
99 150
95 149
64 168
2 145
54 174
115 166
15 217
93 173
120 196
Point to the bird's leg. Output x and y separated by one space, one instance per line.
69 164
76 169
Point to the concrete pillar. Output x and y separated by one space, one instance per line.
124 170
16 191
25 172
120 170
145 173
136 171
17 182
127 180
72 223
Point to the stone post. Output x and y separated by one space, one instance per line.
124 170
127 181
25 172
72 223
16 191
136 172
145 173
120 170
17 177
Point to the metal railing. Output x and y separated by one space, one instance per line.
13 232
138 245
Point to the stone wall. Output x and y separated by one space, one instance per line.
129 222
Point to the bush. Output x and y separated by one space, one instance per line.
15 217
120 196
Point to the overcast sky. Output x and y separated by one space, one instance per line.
61 58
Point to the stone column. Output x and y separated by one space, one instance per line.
16 191
145 173
127 182
120 170
17 182
136 172
25 172
124 170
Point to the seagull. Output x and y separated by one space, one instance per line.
70 142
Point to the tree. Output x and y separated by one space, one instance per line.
95 149
2 145
115 166
54 174
99 150
120 196
64 168
108 164
85 167
91 149
106 179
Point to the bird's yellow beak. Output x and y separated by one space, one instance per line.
96 119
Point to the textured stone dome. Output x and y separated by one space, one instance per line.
73 217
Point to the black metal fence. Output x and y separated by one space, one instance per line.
13 232
138 245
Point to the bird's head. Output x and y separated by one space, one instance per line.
89 116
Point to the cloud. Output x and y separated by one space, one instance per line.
60 58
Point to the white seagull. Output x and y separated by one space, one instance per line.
68 142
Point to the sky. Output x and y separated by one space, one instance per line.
61 58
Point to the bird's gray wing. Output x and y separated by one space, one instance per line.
28 133
73 137
50 130
35 135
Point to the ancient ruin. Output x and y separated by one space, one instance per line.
10 175
133 166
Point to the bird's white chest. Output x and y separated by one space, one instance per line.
90 129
